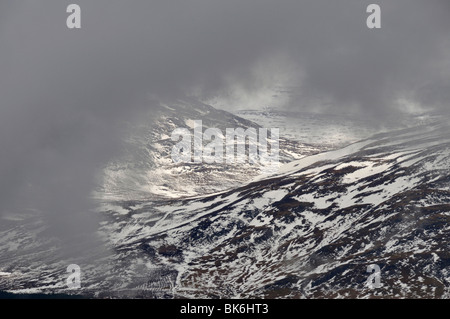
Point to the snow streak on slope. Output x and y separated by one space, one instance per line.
330 131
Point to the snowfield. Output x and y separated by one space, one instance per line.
308 231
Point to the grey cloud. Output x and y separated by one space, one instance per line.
357 69
65 95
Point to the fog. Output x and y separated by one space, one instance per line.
67 95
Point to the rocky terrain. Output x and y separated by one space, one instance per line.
307 231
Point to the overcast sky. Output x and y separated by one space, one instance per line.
66 94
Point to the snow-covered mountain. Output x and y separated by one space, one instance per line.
309 231
329 131
145 168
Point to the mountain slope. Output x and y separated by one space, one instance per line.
146 170
309 231
312 230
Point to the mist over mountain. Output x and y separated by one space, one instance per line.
308 230
87 177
